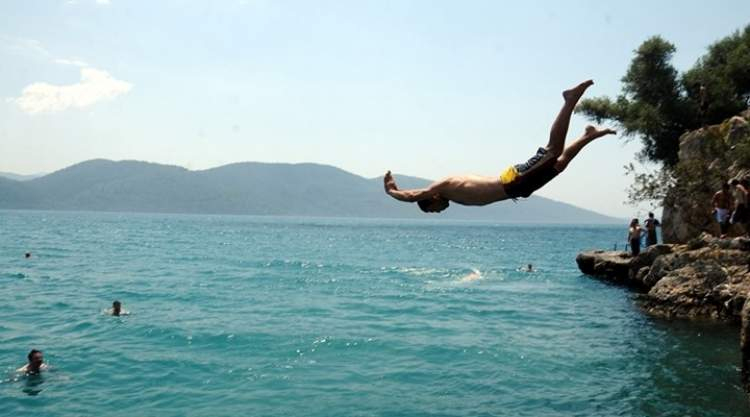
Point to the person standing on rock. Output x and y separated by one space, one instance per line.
634 237
723 202
651 224
739 193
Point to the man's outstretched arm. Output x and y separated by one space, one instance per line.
410 196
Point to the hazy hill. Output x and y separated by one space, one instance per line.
20 177
252 188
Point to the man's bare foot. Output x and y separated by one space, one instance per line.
389 183
593 132
576 92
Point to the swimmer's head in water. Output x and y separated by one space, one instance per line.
28 254
116 307
434 205
36 359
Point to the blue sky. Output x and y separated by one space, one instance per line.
425 88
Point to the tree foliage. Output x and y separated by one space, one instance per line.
649 185
725 74
658 104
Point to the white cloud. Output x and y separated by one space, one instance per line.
75 2
23 46
33 47
74 62
95 86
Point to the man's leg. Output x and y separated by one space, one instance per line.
572 150
724 228
560 126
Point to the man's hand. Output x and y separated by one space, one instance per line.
409 196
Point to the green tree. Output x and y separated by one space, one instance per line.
652 104
724 74
659 105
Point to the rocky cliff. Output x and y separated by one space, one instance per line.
707 157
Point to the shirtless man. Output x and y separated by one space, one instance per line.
36 363
739 193
723 203
516 181
651 224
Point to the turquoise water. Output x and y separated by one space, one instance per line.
327 317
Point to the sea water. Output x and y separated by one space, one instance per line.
270 316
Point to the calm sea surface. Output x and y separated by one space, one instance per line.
235 316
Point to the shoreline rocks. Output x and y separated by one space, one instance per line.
705 278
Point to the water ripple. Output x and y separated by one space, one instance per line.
324 317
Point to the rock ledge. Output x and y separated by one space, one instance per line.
705 278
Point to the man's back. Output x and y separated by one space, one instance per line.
740 195
472 190
722 200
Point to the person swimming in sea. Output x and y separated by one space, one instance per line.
35 365
516 181
475 275
117 310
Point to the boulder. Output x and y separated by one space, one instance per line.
610 265
738 131
708 283
745 346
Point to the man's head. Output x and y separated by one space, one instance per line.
734 182
36 359
116 307
725 186
634 223
435 204
650 215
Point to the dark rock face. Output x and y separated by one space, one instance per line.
613 266
707 278
745 346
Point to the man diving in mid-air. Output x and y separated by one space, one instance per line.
516 181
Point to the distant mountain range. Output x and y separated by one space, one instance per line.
252 188
20 177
